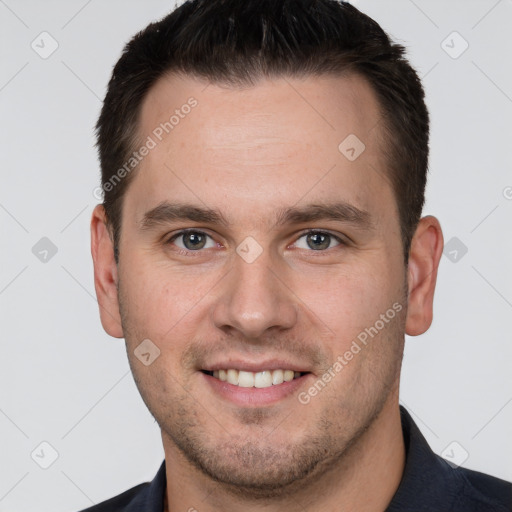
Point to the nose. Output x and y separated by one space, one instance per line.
254 299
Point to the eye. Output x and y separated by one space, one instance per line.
192 240
317 241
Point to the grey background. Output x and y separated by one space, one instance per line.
65 382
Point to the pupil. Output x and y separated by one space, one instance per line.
318 241
194 241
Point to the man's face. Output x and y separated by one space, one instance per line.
249 288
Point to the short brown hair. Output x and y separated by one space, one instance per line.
238 42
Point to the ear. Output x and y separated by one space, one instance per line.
424 256
105 273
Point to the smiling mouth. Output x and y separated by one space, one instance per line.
263 379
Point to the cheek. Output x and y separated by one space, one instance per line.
159 302
348 300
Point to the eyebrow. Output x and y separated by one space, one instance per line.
166 212
339 211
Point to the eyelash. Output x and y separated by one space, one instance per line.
303 234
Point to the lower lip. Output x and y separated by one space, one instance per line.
255 396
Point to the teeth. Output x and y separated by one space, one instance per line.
246 379
262 379
232 377
277 377
288 375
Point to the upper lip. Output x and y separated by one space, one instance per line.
252 366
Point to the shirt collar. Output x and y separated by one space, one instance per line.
151 498
428 480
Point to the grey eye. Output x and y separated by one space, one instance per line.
194 240
317 241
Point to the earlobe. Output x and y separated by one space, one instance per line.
105 273
424 257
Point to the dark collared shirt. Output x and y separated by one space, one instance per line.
429 484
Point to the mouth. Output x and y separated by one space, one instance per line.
261 379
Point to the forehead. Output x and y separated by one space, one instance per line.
270 145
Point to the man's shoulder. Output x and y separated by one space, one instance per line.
430 482
120 502
147 497
483 492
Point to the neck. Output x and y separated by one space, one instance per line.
366 478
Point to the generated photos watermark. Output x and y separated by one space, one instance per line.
149 144
343 360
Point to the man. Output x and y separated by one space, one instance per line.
261 249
